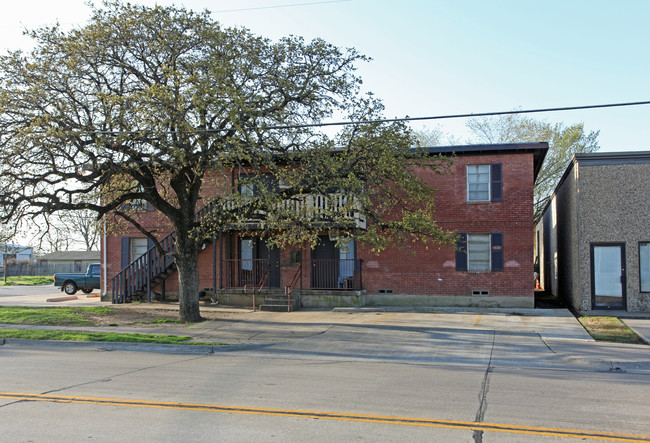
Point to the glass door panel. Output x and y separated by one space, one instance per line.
608 276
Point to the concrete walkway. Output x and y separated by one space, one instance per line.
244 326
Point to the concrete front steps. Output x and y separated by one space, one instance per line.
279 302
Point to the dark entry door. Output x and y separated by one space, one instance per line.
608 276
325 264
273 256
256 256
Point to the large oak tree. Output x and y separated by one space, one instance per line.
145 104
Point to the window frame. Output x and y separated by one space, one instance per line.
496 251
641 287
494 182
134 247
488 251
467 182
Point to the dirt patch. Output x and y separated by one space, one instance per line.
135 315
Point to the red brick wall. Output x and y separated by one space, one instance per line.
433 271
417 270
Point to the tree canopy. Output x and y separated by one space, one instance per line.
155 105
564 142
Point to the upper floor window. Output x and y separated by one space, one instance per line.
644 266
478 183
484 183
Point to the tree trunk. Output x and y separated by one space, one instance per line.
187 262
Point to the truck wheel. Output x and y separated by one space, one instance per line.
70 288
86 290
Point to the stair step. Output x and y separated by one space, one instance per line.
278 307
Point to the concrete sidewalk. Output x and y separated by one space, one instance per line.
239 326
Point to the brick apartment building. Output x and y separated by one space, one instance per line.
487 199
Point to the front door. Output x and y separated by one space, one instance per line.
325 264
608 276
273 257
256 255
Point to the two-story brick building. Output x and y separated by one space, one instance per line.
487 199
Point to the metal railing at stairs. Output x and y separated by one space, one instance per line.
151 268
288 290
261 284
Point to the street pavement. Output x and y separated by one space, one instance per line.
532 372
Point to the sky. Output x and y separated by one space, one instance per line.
432 58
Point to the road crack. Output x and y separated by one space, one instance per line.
482 396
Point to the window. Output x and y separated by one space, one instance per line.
94 270
484 183
132 248
77 266
479 252
644 266
247 254
478 183
139 247
139 204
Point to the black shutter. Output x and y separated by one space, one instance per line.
497 251
461 252
126 242
496 182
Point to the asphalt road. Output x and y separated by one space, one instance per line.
359 377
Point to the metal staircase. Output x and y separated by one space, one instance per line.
144 273
152 268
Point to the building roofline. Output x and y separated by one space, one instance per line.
613 158
596 159
538 149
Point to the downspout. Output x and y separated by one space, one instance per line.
105 288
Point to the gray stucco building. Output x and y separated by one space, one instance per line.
593 239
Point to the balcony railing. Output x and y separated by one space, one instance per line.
315 207
342 274
332 274
242 273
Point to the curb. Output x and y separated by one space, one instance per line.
70 297
116 346
645 339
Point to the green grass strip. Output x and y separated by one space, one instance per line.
609 329
27 281
54 316
38 334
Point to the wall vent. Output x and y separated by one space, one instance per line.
385 291
481 293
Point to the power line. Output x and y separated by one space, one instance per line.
281 6
450 116
404 119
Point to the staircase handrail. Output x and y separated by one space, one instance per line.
289 289
152 263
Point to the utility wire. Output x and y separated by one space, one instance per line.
481 114
406 119
280 6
